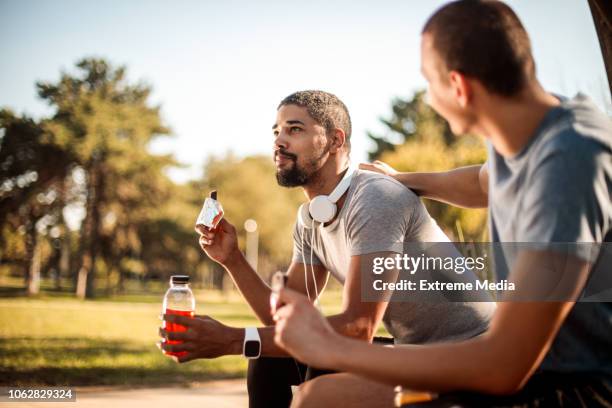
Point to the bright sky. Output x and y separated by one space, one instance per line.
219 68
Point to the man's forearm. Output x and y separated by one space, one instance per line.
358 329
469 365
252 287
460 187
499 361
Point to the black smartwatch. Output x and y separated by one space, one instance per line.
251 348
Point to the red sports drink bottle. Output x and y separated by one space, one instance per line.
179 300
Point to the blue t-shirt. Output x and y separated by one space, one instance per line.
558 189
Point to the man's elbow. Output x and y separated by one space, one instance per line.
362 328
502 370
504 381
507 386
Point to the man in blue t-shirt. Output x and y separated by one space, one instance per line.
548 186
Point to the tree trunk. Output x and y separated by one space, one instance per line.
63 267
91 228
64 261
34 275
29 250
121 279
85 254
81 287
33 257
109 273
217 278
32 265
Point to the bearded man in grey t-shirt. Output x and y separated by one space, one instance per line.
311 150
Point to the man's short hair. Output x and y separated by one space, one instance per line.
325 108
483 39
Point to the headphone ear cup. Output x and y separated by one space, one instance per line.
303 216
322 209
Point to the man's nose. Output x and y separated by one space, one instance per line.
281 142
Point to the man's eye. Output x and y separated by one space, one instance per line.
295 129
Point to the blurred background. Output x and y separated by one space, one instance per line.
118 118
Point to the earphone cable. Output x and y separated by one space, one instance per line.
304 263
314 281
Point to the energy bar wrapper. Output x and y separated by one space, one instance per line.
211 213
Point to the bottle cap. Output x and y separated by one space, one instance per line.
179 279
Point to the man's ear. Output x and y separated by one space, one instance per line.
338 139
462 89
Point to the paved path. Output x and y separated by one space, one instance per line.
217 394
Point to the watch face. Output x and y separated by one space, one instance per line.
251 348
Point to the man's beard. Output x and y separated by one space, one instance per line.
295 176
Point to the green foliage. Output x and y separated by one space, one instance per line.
30 164
32 170
106 124
169 242
429 145
99 114
92 153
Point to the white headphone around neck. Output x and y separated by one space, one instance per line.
322 208
318 211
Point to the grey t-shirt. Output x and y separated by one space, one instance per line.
558 190
381 215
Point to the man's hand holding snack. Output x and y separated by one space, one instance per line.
220 243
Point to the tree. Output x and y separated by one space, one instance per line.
427 144
134 209
31 180
106 125
411 120
169 242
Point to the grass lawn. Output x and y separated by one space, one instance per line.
58 340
